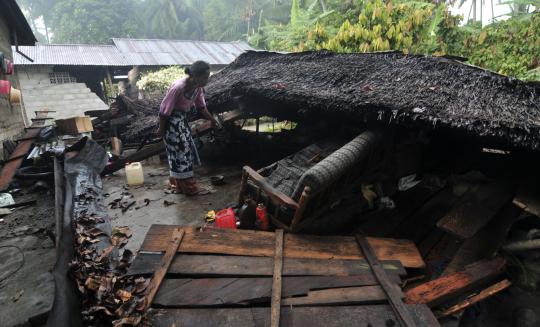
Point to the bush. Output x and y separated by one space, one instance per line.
160 81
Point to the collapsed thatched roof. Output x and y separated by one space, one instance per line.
382 86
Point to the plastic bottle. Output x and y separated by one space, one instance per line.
134 174
262 217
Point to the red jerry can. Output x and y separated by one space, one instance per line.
225 219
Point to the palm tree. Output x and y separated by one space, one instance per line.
175 19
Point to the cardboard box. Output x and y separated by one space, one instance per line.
74 126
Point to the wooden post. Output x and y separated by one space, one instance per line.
170 252
243 186
58 199
394 297
276 283
109 79
302 204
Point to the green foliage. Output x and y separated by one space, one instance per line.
90 21
96 21
292 36
409 26
510 47
161 80
169 19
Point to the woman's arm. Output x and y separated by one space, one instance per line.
208 115
200 104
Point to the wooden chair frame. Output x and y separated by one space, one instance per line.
278 198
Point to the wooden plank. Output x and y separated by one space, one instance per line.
258 243
229 291
418 225
174 243
224 265
11 166
487 241
275 305
394 297
484 294
276 195
348 295
527 197
329 316
437 291
467 218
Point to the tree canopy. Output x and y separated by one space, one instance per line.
428 27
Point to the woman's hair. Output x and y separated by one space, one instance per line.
197 68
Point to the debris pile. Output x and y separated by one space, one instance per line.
108 295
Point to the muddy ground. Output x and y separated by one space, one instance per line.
27 255
164 207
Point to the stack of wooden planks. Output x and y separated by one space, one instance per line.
223 277
458 236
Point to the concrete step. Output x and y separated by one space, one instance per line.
37 96
87 103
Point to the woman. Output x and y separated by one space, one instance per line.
173 126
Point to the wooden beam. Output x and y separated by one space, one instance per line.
227 265
275 308
347 295
276 195
200 292
487 241
527 197
174 243
243 185
302 204
468 218
394 296
484 294
261 244
146 152
436 292
329 316
420 223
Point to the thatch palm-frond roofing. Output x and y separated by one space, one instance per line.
435 90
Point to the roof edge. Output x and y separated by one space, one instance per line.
18 23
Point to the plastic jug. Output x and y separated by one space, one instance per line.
134 174
225 219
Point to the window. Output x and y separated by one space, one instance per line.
61 78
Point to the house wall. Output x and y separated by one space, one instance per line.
11 116
65 96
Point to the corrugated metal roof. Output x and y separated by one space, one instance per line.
145 52
132 52
176 52
71 55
